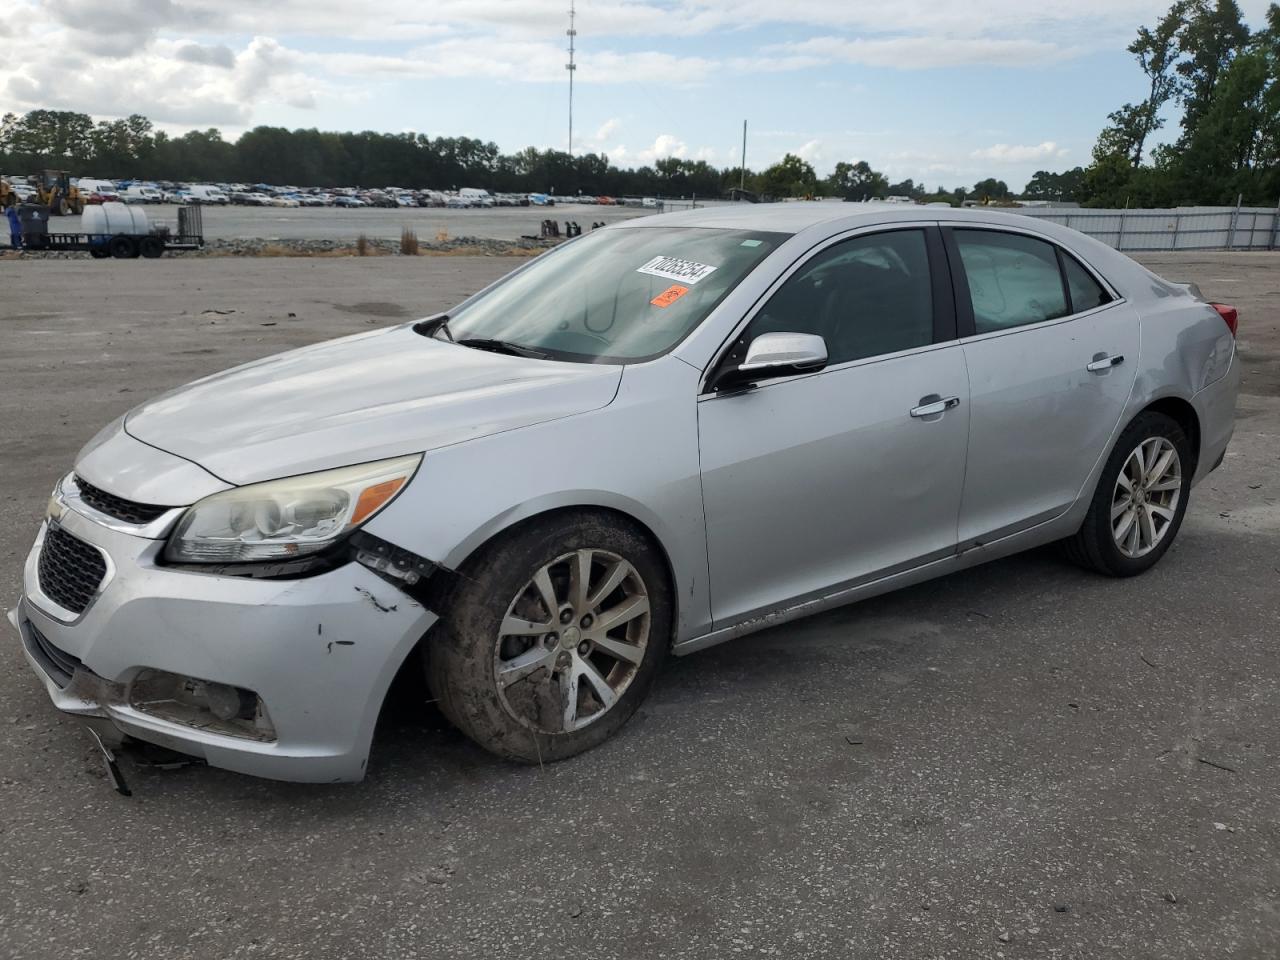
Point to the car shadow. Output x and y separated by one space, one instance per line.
418 754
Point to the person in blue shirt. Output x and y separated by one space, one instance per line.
15 227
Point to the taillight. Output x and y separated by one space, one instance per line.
1230 316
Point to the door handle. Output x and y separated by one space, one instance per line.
1103 362
933 405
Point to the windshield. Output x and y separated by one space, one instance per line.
616 295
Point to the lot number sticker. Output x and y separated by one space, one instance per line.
669 296
673 268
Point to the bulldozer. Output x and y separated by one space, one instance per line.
56 192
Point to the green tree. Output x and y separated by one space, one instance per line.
790 177
990 189
1213 34
856 181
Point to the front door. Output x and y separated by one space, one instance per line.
816 482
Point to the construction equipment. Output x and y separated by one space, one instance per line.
56 192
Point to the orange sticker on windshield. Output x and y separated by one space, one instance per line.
669 296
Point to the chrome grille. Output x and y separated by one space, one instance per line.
127 510
70 570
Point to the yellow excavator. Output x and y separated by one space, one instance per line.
56 192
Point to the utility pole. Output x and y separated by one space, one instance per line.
742 177
571 67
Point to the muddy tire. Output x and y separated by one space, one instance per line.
1140 500
553 636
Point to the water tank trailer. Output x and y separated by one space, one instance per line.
112 230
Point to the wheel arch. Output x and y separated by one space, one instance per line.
1179 410
616 512
511 523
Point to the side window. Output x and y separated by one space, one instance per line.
865 297
1085 291
1013 279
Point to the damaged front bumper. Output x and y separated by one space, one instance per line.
318 653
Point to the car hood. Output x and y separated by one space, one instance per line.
374 395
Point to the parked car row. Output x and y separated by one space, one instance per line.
96 191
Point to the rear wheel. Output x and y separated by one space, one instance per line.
553 638
1140 501
151 247
122 248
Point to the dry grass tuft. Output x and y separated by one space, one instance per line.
408 242
362 246
442 235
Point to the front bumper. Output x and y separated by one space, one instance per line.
319 651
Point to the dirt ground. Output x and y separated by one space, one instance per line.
1021 760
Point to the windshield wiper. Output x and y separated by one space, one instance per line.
501 346
430 326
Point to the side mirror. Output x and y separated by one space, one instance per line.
776 355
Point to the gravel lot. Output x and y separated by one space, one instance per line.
1022 760
337 223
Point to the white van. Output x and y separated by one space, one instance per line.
203 193
87 185
476 197
138 193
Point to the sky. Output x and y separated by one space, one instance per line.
941 91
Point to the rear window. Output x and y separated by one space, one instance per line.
1086 292
1014 280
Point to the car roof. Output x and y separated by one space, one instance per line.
794 216
818 219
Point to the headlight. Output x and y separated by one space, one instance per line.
289 518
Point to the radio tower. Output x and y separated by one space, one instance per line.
571 67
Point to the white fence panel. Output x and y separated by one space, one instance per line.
1181 228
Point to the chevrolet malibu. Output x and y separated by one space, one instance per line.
655 438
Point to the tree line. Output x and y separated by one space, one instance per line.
1200 58
131 148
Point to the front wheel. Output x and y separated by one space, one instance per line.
1140 501
553 638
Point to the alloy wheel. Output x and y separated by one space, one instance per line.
1145 501
572 640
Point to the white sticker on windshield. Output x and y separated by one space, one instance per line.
673 268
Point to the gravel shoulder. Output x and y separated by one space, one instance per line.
1021 760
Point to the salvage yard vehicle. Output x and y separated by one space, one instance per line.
55 190
657 437
139 193
112 229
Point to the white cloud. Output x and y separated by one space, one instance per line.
217 55
810 152
664 145
1011 153
607 129
920 53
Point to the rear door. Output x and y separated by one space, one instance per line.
1052 353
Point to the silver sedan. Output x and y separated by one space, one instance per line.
655 438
